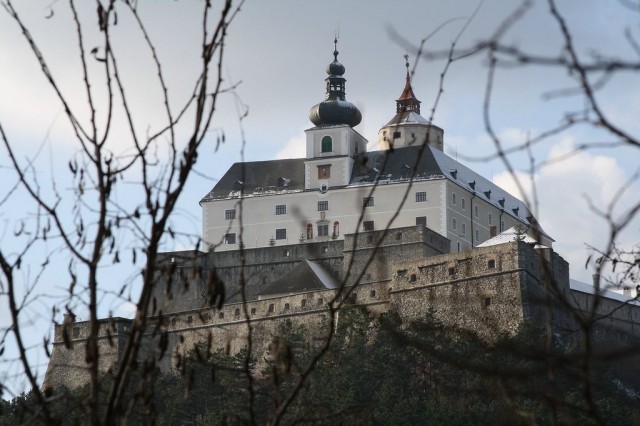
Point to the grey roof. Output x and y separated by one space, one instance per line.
305 276
260 178
508 236
407 117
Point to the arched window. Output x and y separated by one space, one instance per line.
327 144
309 231
336 229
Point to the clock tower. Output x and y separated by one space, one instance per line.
332 143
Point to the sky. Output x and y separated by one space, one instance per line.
275 58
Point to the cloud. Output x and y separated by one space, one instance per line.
295 148
570 190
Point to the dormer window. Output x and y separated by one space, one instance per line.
327 144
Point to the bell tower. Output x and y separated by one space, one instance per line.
332 143
408 127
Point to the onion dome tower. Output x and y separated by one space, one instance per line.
335 109
408 127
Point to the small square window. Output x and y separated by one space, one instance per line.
396 135
281 234
230 238
253 311
323 206
323 230
221 315
421 197
320 301
421 220
452 271
230 214
367 202
491 264
281 209
372 293
367 225
286 306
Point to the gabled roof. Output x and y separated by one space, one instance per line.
305 276
509 236
260 177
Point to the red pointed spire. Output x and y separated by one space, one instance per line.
407 100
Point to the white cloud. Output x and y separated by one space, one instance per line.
565 189
295 148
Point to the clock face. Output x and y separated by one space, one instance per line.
324 172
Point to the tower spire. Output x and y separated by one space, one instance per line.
335 109
407 101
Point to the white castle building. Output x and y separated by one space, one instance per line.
341 188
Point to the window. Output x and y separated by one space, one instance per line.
230 238
487 301
458 245
324 172
253 311
421 220
286 306
464 229
490 219
453 198
303 304
421 197
336 229
492 231
271 308
281 209
323 229
491 264
237 312
367 202
454 224
76 331
477 235
323 206
396 135
476 210
230 214
372 293
452 271
501 225
367 225
281 234
463 203
320 301
327 144
190 319
221 315
309 231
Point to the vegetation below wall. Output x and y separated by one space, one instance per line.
378 372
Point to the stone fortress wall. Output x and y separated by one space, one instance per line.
490 290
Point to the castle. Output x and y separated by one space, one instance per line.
405 229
